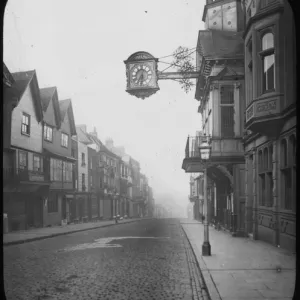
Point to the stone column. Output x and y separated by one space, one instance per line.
247 204
255 198
276 205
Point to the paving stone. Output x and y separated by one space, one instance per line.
141 269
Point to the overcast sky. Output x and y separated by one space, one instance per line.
80 46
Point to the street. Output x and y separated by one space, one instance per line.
150 259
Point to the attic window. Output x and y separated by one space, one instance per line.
48 133
25 128
64 140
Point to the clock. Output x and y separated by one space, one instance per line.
141 74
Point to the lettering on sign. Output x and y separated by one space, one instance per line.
249 113
266 106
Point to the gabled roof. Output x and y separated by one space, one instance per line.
66 107
103 148
94 139
218 44
8 80
22 81
47 94
228 71
83 136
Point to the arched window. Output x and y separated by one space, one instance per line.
268 62
260 160
283 150
292 149
288 176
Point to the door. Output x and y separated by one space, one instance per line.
29 211
38 211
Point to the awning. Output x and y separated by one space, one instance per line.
28 188
68 196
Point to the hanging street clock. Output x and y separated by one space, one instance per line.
141 72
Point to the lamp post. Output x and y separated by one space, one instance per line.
205 156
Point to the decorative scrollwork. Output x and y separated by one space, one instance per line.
214 87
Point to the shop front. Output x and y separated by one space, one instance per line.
23 205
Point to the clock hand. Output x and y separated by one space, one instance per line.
141 78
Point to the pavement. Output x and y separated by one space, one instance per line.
146 260
25 236
241 268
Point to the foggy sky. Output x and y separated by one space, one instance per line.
81 48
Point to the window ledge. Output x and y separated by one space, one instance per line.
267 95
26 134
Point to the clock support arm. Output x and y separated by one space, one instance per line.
177 75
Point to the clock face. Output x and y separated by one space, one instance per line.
141 74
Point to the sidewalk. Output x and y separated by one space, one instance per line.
26 236
240 268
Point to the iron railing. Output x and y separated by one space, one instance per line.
192 145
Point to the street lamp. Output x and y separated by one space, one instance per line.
205 150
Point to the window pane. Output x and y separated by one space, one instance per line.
270 189
227 94
284 153
287 181
36 163
262 189
268 41
227 121
268 74
22 160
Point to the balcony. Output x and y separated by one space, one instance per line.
265 115
17 175
192 198
223 151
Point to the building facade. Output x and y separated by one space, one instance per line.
247 93
58 129
220 91
136 196
26 183
270 109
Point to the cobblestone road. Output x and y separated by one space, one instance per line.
158 266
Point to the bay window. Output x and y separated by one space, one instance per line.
268 62
265 167
288 172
